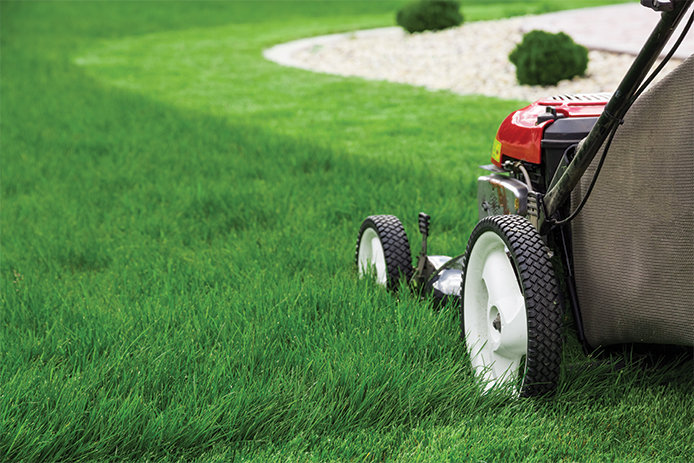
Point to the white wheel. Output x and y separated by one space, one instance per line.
511 317
495 353
383 251
371 259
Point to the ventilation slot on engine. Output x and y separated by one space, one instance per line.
583 98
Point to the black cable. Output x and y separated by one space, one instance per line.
592 182
638 93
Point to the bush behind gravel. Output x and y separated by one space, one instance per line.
543 58
429 15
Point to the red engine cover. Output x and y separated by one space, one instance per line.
520 135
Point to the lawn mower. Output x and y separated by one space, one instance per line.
623 267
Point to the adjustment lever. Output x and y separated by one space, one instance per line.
424 267
424 221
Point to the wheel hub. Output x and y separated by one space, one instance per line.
496 323
494 316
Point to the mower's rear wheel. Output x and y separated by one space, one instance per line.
383 251
510 313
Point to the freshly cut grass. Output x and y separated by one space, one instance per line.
178 223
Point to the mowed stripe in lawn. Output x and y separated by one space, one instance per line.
178 227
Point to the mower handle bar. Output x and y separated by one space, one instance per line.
567 176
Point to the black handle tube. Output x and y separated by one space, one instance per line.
567 177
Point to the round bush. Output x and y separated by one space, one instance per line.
429 15
543 58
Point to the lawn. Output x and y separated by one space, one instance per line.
178 221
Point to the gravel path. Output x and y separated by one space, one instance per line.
470 59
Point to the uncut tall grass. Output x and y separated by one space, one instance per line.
177 229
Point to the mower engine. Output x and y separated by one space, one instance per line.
529 145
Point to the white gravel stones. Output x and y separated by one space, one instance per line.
470 59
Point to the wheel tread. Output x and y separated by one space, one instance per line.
396 247
544 313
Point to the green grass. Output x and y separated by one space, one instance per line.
177 235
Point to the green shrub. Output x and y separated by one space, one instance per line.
429 15
543 58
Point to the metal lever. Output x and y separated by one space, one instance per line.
424 221
658 5
424 267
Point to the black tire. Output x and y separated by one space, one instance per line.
396 249
538 372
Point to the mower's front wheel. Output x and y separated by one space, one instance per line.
510 313
383 251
